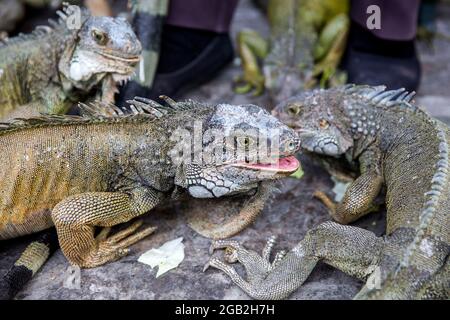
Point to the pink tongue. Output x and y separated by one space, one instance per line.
289 163
284 164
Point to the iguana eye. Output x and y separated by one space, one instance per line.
99 36
292 146
293 109
244 141
324 124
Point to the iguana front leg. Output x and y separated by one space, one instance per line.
109 89
360 195
77 216
54 100
50 99
251 48
257 267
242 215
353 250
27 110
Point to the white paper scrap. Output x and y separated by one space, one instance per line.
339 189
166 257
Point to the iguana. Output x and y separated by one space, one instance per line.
52 68
78 173
397 145
307 41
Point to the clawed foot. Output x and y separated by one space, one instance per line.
116 246
257 266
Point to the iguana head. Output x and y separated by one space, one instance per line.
316 117
103 46
237 148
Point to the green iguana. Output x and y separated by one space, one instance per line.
78 173
396 145
54 67
307 41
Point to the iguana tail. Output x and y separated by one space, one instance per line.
30 261
148 19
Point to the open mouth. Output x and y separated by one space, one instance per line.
283 165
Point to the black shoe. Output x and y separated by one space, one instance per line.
374 61
188 58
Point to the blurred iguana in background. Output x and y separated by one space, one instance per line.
76 58
306 44
427 28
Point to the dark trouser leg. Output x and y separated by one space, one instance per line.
195 45
398 17
210 15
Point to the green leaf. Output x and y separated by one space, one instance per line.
298 174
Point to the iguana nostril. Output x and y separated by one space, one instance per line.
132 45
128 47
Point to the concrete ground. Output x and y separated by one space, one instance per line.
289 215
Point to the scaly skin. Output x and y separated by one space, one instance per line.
79 173
396 145
306 43
53 68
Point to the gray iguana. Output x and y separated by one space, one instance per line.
54 67
396 144
79 173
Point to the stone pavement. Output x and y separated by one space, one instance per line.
289 215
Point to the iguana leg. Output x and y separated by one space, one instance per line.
256 266
51 101
251 46
27 110
54 101
353 250
76 217
109 89
357 201
242 214
361 193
